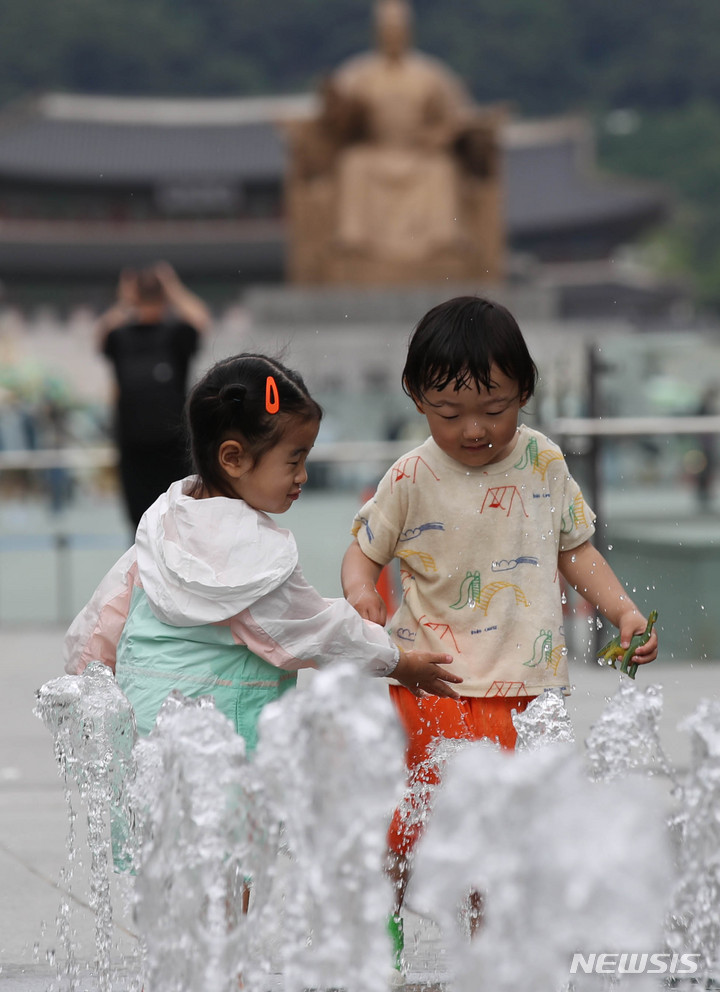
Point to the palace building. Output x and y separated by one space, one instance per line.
91 184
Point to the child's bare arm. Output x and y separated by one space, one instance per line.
419 671
589 573
359 575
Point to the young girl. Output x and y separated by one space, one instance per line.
211 599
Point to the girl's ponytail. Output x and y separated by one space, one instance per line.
234 392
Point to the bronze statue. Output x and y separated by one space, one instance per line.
396 179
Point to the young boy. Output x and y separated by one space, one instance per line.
484 518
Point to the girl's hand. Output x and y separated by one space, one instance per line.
631 623
369 604
420 672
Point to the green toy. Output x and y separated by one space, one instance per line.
613 650
397 936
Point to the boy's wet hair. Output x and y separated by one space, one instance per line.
230 402
459 341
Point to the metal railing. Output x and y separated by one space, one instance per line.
347 452
632 426
40 459
62 539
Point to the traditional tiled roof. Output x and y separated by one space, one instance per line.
552 189
549 173
552 180
89 140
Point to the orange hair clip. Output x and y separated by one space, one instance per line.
272 397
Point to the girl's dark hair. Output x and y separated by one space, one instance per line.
459 341
230 401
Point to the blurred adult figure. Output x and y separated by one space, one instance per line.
150 336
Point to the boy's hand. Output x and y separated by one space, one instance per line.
632 623
369 604
419 672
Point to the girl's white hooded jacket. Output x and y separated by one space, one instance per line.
210 586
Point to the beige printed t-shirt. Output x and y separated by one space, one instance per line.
478 552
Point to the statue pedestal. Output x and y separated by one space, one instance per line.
344 268
350 341
295 311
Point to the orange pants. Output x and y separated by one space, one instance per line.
427 721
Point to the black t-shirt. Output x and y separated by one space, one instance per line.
151 363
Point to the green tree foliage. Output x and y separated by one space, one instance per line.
681 148
544 57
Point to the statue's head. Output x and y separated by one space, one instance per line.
393 26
